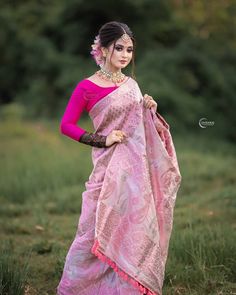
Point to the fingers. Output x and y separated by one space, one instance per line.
149 102
120 135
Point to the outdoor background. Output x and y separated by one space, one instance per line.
186 60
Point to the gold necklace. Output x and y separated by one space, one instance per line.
115 77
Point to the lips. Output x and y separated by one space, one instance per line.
123 61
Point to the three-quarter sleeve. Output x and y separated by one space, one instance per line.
72 114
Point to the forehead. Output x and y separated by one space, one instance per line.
125 44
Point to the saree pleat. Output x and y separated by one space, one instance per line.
122 240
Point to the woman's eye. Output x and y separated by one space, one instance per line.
120 48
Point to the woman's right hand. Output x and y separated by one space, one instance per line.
115 136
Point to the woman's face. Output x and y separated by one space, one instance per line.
123 51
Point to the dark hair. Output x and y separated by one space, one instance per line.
110 32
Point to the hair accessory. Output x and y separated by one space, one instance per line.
97 52
125 37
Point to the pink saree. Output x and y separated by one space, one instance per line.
122 240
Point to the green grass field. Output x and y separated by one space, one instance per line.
42 178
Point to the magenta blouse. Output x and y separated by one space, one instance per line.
85 95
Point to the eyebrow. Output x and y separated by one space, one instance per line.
124 46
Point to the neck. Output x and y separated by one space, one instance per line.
111 69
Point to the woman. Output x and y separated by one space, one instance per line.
121 243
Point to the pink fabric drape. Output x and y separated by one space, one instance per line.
121 244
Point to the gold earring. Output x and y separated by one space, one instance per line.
104 53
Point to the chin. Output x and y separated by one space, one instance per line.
119 68
122 66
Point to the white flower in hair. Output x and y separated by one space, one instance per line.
97 52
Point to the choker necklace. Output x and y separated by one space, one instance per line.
115 77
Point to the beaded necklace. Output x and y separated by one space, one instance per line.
115 77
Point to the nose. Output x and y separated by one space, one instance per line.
124 54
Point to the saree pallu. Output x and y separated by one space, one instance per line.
122 239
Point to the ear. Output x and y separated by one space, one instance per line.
104 51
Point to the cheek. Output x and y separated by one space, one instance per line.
116 56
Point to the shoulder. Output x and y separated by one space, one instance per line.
91 78
134 81
86 82
83 84
85 89
80 89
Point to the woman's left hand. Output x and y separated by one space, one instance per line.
149 102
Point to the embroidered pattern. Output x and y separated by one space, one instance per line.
93 139
123 234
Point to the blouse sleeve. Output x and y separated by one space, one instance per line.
72 114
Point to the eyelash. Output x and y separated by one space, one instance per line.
119 48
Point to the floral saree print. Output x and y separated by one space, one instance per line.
122 239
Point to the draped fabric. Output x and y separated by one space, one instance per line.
121 245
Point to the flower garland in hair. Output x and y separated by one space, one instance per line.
97 52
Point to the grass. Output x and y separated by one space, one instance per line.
41 182
13 271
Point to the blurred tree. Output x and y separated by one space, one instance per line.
185 54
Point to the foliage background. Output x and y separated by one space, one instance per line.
186 55
185 59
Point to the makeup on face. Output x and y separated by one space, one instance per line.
128 49
123 52
120 47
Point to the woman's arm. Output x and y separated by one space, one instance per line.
71 116
93 139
